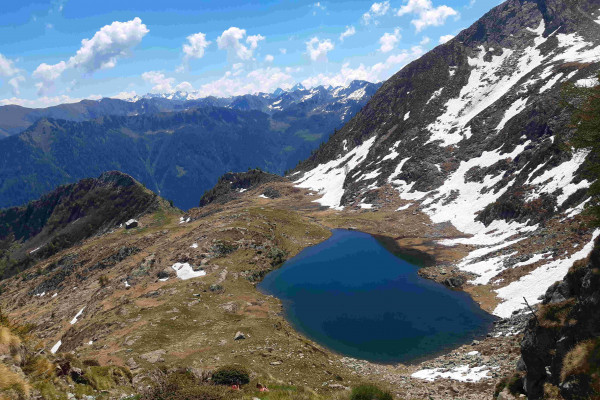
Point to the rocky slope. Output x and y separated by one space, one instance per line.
68 215
561 345
474 134
231 185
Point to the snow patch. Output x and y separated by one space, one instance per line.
328 179
185 271
55 348
535 284
74 320
462 373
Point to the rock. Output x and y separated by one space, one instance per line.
276 362
166 273
216 288
132 364
455 281
505 395
154 356
338 386
239 336
231 307
132 223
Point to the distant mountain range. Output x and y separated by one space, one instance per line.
175 145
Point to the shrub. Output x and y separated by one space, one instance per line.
107 377
103 280
369 392
231 375
12 384
583 359
183 385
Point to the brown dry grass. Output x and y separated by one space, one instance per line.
13 385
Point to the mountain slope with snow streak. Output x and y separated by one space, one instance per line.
474 134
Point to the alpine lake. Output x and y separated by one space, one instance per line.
358 296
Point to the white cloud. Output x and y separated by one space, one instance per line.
7 67
46 101
162 84
124 95
230 40
374 73
14 84
424 41
100 52
283 51
195 46
253 40
269 58
109 43
347 33
8 70
317 49
259 80
445 38
427 14
48 74
184 87
376 10
389 40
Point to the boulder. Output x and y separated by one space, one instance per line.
132 223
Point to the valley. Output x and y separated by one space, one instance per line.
431 236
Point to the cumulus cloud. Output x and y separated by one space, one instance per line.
100 52
195 46
427 14
14 84
258 80
124 95
7 67
109 43
347 33
376 10
162 84
317 49
231 40
374 73
8 70
424 41
46 101
389 40
445 38
269 58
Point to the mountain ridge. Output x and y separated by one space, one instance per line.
473 133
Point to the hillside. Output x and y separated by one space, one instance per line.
68 215
474 134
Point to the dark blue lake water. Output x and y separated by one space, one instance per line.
353 296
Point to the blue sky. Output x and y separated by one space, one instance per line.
54 51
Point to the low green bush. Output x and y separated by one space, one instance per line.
231 375
369 392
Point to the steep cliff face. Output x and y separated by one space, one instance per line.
474 133
561 346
